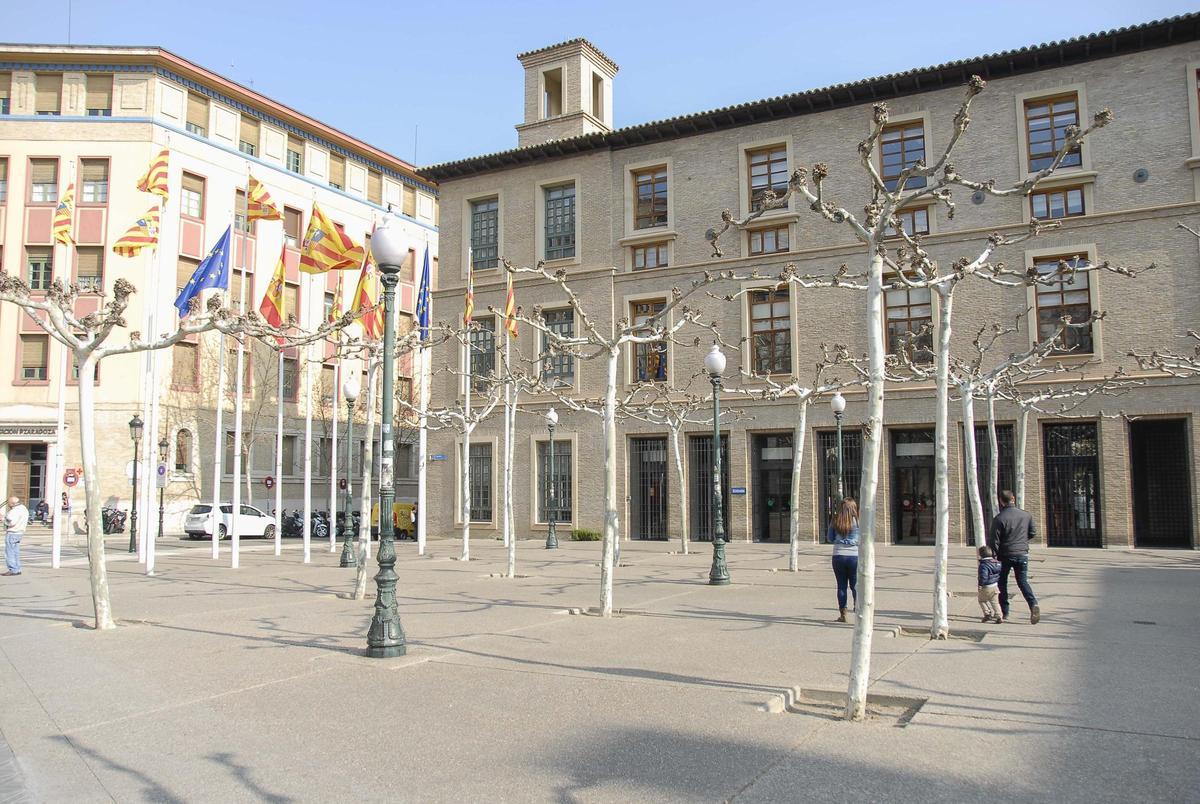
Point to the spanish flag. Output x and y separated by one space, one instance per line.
326 247
143 234
272 308
63 216
259 205
366 298
469 301
510 306
335 311
154 180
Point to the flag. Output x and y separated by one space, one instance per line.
154 180
510 306
469 298
63 216
335 311
213 272
423 299
143 234
366 297
326 247
259 205
272 307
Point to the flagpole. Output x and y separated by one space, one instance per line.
279 457
507 418
218 450
307 355
423 418
60 427
333 416
145 485
155 405
235 530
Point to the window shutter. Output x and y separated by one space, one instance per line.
44 171
291 222
409 207
3 170
89 262
337 170
93 170
374 187
184 271
5 85
193 183
99 91
249 130
33 350
48 89
197 111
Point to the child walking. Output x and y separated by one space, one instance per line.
989 586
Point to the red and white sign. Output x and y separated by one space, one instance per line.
342 483
70 478
269 482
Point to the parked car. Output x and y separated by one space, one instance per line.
251 522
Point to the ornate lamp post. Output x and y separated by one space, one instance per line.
350 391
135 433
386 636
551 507
714 364
163 446
838 403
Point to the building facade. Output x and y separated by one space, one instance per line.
625 212
95 117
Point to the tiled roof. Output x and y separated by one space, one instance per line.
576 41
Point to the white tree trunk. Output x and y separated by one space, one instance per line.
364 505
993 458
611 529
248 465
864 624
97 571
218 449
940 627
1019 458
972 461
681 479
798 433
466 493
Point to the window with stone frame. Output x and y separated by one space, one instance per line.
191 197
909 320
558 368
485 233
43 181
292 226
914 222
39 267
1059 202
480 482
770 331
768 171
649 359
183 451
650 255
35 351
561 507
560 221
1067 297
650 197
1046 124
901 146
291 379
481 345
3 179
93 181
89 268
771 240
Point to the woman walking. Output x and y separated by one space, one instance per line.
843 535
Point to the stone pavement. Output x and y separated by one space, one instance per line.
250 684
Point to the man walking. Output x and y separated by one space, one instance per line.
1011 531
15 521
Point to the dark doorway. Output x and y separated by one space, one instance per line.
1006 471
700 468
1162 499
827 461
648 487
914 510
1071 454
772 487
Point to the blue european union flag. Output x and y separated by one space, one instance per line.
423 299
213 272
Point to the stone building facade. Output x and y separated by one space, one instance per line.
625 212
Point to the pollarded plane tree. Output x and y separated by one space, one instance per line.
877 224
1173 363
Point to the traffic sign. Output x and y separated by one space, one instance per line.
269 482
342 483
70 478
160 475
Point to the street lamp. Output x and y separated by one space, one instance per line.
163 446
386 636
350 390
135 433
838 403
714 364
551 510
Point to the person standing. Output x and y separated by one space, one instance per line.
843 534
15 521
1011 531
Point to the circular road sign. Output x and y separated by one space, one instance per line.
269 482
70 478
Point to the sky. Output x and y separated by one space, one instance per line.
438 81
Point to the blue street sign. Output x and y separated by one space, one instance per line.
437 457
737 490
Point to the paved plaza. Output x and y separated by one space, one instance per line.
250 684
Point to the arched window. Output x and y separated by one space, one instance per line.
183 451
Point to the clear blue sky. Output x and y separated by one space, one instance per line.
378 70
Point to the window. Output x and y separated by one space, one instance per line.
552 93
485 233
558 368
39 267
560 222
769 241
3 180
191 198
43 181
93 180
650 188
327 383
248 135
295 154
408 201
238 277
1069 298
482 349
337 172
291 379
99 95
227 460
597 96
292 219
1061 202
89 268
650 255
75 371
1046 124
768 172
374 187
231 371
185 366
556 505
902 146
770 331
909 313
288 463
34 351
48 93
912 221
241 222
330 301
291 300
183 272
5 92
650 359
404 389
183 451
480 482
197 114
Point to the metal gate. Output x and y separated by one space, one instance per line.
648 487
1006 471
1071 454
772 487
827 461
1162 498
700 477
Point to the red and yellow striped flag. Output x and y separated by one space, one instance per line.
326 247
510 306
335 312
154 180
272 308
259 205
366 298
143 234
469 300
64 215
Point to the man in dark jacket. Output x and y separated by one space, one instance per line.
1009 539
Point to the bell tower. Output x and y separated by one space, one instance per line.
568 92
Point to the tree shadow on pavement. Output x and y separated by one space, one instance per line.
150 789
242 774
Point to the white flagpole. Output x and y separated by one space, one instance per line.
364 504
333 416
218 451
279 458
507 420
145 481
235 529
57 461
422 421
307 357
